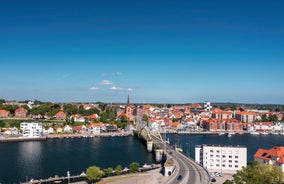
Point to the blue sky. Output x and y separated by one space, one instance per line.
160 51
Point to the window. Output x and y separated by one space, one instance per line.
218 151
217 165
236 161
217 156
230 165
224 156
236 166
217 160
236 156
230 161
211 155
223 165
230 156
211 151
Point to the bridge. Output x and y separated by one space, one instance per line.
178 168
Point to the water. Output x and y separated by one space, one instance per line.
252 142
42 159
20 161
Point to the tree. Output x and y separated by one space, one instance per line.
2 124
257 173
228 182
133 167
272 117
118 170
94 173
145 118
108 171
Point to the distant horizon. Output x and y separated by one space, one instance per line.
88 102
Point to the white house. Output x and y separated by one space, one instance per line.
31 129
67 128
223 159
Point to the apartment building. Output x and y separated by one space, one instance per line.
31 129
223 159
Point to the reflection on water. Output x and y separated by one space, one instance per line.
42 159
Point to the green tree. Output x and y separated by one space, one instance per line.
108 171
2 124
134 167
272 117
257 173
228 182
70 109
94 173
123 118
145 118
118 170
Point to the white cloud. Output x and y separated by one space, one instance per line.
114 88
105 82
112 74
94 88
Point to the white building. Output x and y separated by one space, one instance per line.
31 129
223 159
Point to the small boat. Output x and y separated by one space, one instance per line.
254 133
221 133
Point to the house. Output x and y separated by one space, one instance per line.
93 117
80 129
78 118
220 114
60 115
95 128
247 116
21 113
11 131
58 129
68 129
4 113
223 159
273 156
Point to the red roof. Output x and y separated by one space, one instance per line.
276 151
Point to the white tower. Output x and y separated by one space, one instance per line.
207 106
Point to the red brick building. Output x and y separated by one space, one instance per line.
214 124
21 113
60 115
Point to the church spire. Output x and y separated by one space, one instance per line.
128 100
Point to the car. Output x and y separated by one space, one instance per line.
179 177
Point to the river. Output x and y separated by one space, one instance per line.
21 161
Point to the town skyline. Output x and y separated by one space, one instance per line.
157 52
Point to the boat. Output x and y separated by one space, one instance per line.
254 133
221 133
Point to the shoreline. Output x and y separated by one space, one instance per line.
61 136
106 134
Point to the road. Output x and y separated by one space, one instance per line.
187 170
